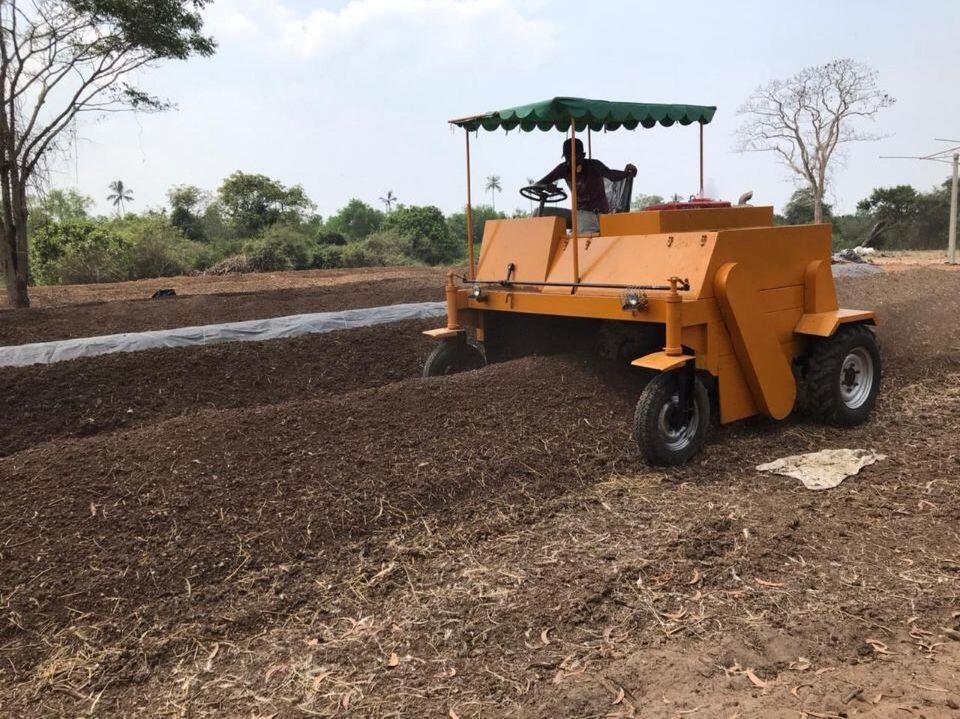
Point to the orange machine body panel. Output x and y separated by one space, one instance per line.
756 291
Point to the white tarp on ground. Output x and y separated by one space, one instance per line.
825 469
249 331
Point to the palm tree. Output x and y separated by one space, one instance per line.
531 181
388 200
119 194
493 185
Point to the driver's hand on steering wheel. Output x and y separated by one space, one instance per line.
630 170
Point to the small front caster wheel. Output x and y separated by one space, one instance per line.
452 357
665 432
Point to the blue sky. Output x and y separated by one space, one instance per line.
351 98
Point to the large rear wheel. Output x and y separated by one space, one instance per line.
452 357
666 432
843 376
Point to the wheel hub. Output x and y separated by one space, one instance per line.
856 378
677 424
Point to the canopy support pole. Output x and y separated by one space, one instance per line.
701 158
473 269
573 198
589 144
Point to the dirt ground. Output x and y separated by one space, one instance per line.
60 295
903 259
306 528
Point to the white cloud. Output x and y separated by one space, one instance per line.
417 31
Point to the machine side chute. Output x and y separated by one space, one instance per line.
765 367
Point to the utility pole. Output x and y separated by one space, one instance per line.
952 244
942 156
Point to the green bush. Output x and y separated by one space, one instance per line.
426 229
355 254
331 238
281 247
77 251
355 221
155 248
327 257
390 247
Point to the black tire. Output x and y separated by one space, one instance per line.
843 376
661 440
453 357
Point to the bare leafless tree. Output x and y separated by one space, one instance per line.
62 58
805 118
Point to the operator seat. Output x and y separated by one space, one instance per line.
619 194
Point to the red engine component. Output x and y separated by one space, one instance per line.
696 203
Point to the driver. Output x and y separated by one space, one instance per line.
591 193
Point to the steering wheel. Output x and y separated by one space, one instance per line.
543 194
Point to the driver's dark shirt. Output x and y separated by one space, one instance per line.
591 194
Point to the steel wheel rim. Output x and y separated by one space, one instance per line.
677 438
856 378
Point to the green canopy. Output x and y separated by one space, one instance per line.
555 114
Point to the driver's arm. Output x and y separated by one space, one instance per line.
555 174
616 175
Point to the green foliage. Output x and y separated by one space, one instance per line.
425 228
282 247
58 206
799 209
119 194
327 257
166 28
331 238
914 220
390 247
891 204
355 221
154 248
457 222
185 204
851 230
214 226
254 202
641 201
77 251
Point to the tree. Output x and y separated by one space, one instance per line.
58 206
388 200
186 202
913 220
799 210
805 118
78 251
254 202
493 186
60 59
119 193
355 221
457 222
641 201
893 205
426 230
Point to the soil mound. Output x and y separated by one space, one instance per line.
92 395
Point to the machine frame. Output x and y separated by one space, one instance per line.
744 305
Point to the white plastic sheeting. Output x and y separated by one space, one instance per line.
249 331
